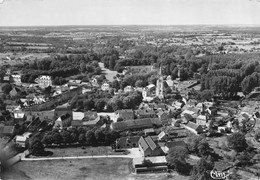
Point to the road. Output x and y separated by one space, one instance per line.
133 153
75 157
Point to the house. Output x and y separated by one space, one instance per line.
136 124
23 140
170 82
77 116
148 147
15 92
105 87
63 109
150 164
163 115
127 142
194 128
44 81
150 131
42 115
17 79
128 89
74 82
63 121
19 116
90 115
148 91
145 113
202 120
98 122
125 114
189 112
7 130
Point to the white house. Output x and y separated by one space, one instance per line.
105 87
44 81
17 79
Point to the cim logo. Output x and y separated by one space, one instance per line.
218 175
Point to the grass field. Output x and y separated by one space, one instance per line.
78 151
90 169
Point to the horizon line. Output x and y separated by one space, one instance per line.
63 25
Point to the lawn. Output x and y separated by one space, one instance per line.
90 169
79 151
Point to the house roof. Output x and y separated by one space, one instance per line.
143 144
78 115
154 160
136 124
150 142
6 129
193 125
150 86
150 130
202 117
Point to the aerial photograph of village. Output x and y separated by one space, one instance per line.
129 89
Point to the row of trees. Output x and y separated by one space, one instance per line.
86 136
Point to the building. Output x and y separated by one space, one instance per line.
149 132
23 140
44 81
128 89
150 164
17 79
145 113
159 92
63 121
148 91
7 130
149 148
98 122
105 87
136 124
61 110
202 120
15 92
125 114
194 128
127 142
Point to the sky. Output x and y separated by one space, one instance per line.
128 12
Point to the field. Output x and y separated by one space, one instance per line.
78 151
108 73
90 169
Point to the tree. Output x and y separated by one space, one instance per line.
90 137
66 137
36 147
6 88
56 137
193 143
176 159
82 138
100 136
47 138
237 141
203 148
200 169
257 136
